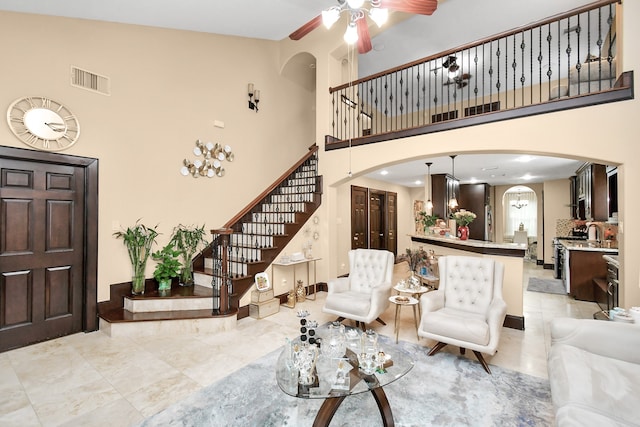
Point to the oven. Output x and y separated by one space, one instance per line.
559 260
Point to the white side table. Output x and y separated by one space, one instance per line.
305 262
416 293
400 301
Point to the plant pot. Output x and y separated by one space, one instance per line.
463 232
137 284
164 285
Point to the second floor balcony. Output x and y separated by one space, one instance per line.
565 61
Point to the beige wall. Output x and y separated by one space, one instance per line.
556 206
167 88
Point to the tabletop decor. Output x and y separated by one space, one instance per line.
463 219
138 239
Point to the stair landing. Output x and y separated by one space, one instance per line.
186 309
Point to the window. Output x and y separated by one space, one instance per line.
521 207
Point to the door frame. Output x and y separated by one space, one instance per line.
90 167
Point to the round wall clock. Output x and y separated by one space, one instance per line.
43 123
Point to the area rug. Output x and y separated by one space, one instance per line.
441 390
549 286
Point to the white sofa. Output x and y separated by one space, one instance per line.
594 76
594 372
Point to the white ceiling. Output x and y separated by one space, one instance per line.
454 23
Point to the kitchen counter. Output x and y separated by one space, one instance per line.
586 245
476 246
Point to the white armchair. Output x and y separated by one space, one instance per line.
467 310
364 294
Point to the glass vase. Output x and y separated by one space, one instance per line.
186 276
368 352
463 232
137 284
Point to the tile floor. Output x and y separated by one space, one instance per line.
94 380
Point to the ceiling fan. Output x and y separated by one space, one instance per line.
453 73
358 29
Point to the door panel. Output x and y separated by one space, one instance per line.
41 251
359 213
392 222
377 234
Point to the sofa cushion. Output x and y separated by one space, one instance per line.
575 415
594 71
608 387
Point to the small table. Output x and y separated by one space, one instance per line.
306 262
402 300
359 382
416 293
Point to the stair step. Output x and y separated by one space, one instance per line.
188 298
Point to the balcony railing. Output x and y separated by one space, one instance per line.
566 56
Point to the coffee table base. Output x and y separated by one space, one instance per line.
331 405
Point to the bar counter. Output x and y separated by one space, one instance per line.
509 254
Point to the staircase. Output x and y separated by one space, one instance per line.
224 271
250 242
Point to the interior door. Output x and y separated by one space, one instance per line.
392 222
377 229
42 249
359 220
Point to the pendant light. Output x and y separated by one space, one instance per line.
453 202
429 202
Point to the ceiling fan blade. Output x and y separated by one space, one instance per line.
306 28
364 38
418 7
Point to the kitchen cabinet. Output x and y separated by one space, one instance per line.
583 267
475 198
443 188
591 192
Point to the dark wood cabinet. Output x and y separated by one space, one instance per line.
475 198
591 192
443 187
584 266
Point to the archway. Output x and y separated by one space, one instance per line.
520 215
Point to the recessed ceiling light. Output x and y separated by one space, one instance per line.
490 168
527 177
384 172
418 182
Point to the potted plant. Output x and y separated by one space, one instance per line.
167 268
138 239
187 240
427 220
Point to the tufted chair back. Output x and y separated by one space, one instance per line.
368 268
468 283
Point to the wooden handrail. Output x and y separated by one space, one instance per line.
312 150
489 39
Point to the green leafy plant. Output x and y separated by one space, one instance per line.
138 239
168 265
427 220
188 240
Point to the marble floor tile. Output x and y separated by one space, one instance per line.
113 382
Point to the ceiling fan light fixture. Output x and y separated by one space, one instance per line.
379 16
330 17
355 4
351 35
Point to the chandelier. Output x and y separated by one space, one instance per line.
357 9
519 204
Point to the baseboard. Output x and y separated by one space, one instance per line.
514 322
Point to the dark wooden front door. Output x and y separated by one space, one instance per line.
43 293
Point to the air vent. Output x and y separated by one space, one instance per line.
90 81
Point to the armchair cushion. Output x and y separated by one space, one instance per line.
458 325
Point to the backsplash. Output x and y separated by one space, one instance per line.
564 227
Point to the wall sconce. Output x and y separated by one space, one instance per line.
211 164
255 95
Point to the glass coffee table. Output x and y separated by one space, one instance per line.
327 383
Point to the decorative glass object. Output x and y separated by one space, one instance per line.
335 344
368 352
291 299
304 360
